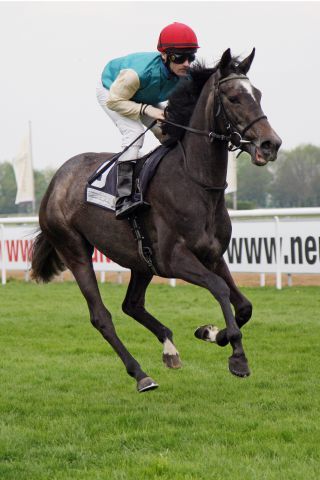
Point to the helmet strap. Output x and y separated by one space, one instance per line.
167 64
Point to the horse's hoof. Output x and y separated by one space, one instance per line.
146 384
208 333
171 361
238 365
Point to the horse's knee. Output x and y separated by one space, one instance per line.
222 294
243 314
246 312
220 289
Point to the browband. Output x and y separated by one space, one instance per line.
243 77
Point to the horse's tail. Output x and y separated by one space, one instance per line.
45 262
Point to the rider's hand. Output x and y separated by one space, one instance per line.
153 112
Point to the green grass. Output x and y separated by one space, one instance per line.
69 411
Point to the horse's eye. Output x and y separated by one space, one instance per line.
233 99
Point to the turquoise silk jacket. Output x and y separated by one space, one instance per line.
136 79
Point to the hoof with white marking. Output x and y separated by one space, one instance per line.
170 357
208 333
146 384
171 361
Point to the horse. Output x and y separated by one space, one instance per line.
188 223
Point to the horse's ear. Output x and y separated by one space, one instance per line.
225 63
245 65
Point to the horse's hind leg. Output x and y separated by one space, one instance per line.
134 306
242 307
78 260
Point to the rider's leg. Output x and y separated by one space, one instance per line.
127 201
130 130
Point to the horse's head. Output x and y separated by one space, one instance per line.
239 111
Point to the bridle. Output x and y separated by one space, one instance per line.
236 138
233 136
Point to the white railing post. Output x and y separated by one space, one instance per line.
278 253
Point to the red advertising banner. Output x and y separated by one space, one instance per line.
16 244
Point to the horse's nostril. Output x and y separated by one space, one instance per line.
266 146
269 146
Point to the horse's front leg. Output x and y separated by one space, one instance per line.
242 307
185 265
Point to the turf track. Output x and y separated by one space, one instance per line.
69 411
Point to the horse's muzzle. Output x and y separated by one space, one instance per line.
264 150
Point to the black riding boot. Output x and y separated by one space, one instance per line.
126 203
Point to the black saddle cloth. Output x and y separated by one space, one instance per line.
101 189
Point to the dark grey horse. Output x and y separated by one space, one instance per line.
188 223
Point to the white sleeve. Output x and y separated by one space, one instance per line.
121 91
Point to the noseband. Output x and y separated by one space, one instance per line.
234 137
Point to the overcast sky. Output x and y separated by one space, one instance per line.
52 54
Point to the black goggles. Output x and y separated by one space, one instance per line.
181 57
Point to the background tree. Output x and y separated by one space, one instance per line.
8 189
253 183
41 181
293 180
296 178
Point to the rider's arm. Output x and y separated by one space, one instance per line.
122 90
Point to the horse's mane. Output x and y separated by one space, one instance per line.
182 101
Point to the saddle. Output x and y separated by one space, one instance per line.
101 189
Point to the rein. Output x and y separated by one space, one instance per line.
211 135
115 157
234 137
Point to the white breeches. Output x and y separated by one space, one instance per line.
130 129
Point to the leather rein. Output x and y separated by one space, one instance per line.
233 137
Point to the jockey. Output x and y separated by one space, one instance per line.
131 91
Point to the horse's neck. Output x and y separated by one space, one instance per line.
207 161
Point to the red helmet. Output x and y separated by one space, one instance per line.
177 35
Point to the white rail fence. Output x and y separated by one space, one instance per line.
263 241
